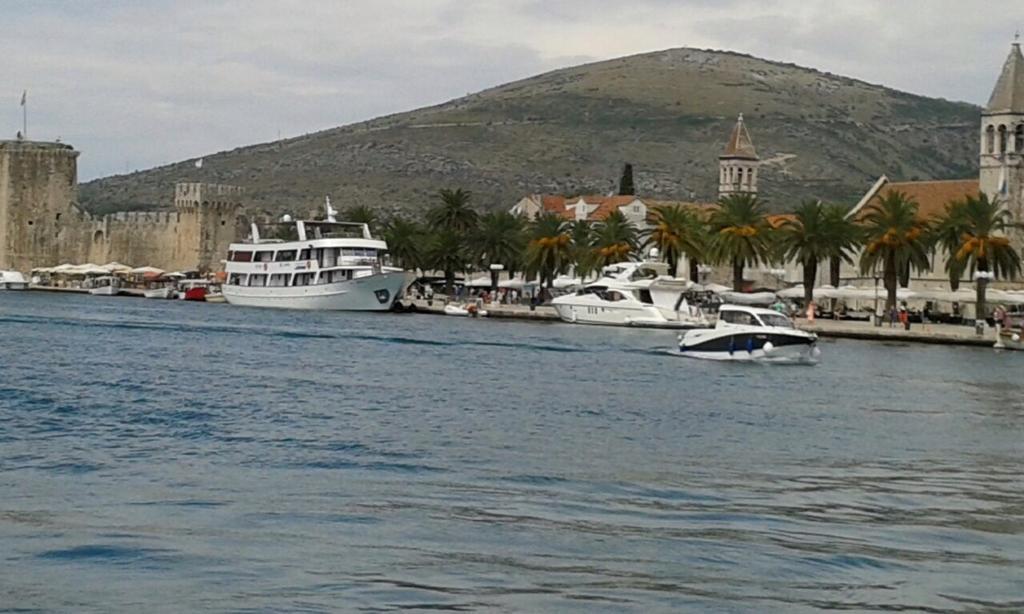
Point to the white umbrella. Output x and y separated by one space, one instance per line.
144 270
1006 296
112 267
749 298
65 268
516 282
479 282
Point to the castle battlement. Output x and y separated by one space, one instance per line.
162 218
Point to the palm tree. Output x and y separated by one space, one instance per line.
740 234
583 257
677 232
549 251
814 234
361 214
894 239
973 234
845 239
615 239
499 239
446 250
405 240
453 213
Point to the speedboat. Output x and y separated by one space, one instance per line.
12 280
313 264
632 294
751 334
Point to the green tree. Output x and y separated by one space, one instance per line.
973 234
677 232
583 257
499 239
740 235
894 240
405 239
361 214
549 251
846 238
446 250
626 187
811 236
616 239
452 222
453 213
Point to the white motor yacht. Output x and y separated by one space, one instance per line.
105 286
751 334
12 280
314 264
632 294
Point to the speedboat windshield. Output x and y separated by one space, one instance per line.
777 320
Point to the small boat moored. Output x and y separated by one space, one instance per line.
12 280
105 286
751 334
471 310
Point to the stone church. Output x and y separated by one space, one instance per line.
41 224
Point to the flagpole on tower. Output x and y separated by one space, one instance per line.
24 114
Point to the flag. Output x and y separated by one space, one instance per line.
199 163
24 95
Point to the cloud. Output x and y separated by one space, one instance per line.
156 81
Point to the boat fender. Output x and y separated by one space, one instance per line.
750 345
768 347
1015 337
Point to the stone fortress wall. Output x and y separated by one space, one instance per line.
41 223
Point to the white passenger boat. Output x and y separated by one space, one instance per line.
12 280
326 265
105 286
750 334
164 292
471 310
632 294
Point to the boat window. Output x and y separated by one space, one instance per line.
257 279
644 273
285 255
776 319
305 254
241 256
614 296
738 317
278 280
265 256
235 279
303 279
645 297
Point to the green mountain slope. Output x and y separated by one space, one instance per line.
569 131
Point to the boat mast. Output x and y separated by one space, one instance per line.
331 212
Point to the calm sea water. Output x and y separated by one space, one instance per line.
159 456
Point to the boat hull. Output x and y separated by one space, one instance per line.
104 291
751 347
621 315
14 285
165 293
371 293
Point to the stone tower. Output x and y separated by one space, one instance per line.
737 166
1002 137
210 220
38 186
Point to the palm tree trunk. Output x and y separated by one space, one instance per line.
980 308
494 281
694 272
673 263
891 283
833 271
737 275
810 273
449 282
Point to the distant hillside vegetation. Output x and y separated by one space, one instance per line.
569 132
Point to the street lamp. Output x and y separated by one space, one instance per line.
496 269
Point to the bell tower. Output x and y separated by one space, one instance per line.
1002 136
738 164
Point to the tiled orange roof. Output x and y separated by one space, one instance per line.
778 219
931 196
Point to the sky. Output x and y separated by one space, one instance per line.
137 84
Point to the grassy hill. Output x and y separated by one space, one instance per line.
569 131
